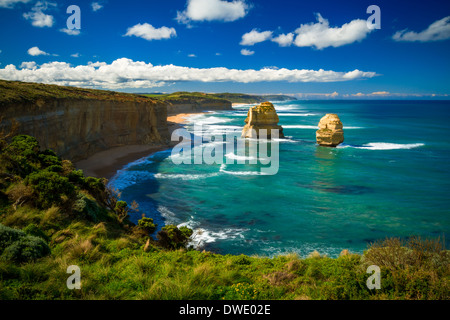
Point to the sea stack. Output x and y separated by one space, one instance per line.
261 117
330 133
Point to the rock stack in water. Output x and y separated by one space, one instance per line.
262 117
330 133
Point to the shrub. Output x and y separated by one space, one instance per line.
26 249
17 246
49 188
34 230
172 237
87 208
49 158
9 236
147 225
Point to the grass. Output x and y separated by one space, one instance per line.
189 97
24 92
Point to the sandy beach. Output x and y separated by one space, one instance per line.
105 164
182 117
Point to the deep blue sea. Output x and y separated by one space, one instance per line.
391 177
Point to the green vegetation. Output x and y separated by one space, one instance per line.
23 92
52 217
190 97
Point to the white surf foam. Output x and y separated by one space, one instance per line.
240 173
296 114
238 157
299 126
205 120
185 176
385 146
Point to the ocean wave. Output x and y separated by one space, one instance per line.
238 157
126 178
299 126
240 173
185 176
202 236
385 146
206 119
280 114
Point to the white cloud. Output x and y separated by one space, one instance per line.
246 52
284 40
254 36
192 55
35 51
213 10
148 32
38 17
320 35
438 30
10 3
75 55
28 65
96 6
126 73
74 32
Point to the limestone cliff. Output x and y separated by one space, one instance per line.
195 104
77 123
330 133
262 117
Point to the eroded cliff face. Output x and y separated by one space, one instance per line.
77 128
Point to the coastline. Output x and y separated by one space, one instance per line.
105 164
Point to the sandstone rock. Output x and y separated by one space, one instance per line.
262 117
330 133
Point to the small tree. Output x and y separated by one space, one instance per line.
172 237
147 225
49 187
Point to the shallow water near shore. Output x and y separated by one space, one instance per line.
391 177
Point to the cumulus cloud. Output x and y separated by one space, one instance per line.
246 52
213 10
255 36
75 55
96 6
35 51
438 30
73 32
148 32
38 17
320 35
284 40
126 73
10 3
28 65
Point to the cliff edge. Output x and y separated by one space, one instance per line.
77 123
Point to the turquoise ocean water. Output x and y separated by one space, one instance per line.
391 177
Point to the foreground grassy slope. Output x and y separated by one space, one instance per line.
52 217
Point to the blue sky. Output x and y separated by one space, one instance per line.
315 49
